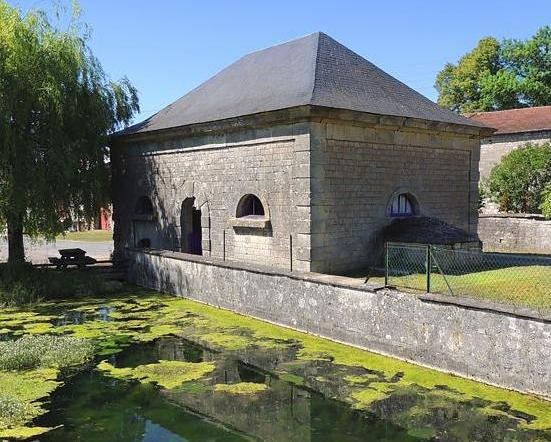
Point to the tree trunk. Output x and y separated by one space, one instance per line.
16 249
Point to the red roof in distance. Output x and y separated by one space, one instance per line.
529 119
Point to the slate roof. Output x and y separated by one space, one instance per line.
530 119
312 70
424 230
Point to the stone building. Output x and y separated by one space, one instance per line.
512 232
296 155
514 128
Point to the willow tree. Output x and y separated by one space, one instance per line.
57 108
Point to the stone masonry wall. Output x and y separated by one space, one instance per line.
327 184
501 348
357 170
510 233
494 148
216 170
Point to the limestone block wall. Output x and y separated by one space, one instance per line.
515 233
506 348
494 148
357 170
216 170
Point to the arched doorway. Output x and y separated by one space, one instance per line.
190 224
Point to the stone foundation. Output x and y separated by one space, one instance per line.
502 346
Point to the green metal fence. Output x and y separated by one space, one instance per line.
522 279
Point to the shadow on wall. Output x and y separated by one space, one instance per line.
158 211
420 230
162 278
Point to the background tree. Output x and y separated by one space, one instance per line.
499 75
546 202
57 108
518 183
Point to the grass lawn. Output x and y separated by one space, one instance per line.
88 235
525 285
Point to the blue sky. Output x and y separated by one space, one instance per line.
167 47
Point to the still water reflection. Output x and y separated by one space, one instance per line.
94 406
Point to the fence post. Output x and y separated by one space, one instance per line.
429 266
224 244
291 252
386 264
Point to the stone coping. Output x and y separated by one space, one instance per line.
488 306
359 285
535 216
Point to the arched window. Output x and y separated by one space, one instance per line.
144 206
144 243
403 205
250 206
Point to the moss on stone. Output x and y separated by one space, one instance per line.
241 388
360 379
292 378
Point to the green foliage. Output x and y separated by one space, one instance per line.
24 284
518 182
499 75
14 412
546 202
35 351
57 109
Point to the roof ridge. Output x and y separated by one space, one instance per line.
315 66
519 109
284 42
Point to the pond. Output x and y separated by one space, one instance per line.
169 369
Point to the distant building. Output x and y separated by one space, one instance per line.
304 152
105 219
515 127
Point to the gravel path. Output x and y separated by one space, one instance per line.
38 251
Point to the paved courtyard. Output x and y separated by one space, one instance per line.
38 251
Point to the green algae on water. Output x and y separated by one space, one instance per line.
368 379
167 374
27 388
241 388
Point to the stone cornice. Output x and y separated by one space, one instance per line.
306 114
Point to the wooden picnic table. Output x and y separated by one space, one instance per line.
76 257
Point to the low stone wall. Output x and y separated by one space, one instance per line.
515 233
506 348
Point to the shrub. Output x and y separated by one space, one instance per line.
44 351
24 284
518 182
546 202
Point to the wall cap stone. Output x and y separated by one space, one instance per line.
535 216
359 285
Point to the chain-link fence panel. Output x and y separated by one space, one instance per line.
406 265
511 278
